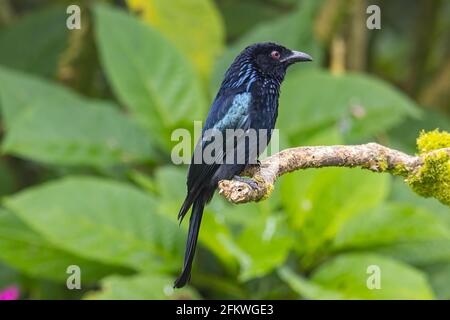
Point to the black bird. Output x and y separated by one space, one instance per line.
247 100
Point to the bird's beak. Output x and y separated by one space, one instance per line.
297 56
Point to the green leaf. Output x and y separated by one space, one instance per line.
294 31
418 253
357 104
56 127
306 288
403 136
35 42
102 220
148 75
20 91
425 249
202 41
439 276
402 193
73 136
390 224
263 246
8 276
25 250
348 275
8 182
141 287
347 193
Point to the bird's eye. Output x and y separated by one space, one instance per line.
275 55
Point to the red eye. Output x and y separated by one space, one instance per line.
275 55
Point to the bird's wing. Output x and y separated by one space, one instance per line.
227 112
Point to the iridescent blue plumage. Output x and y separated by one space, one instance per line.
235 115
247 99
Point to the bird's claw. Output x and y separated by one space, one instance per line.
253 184
254 166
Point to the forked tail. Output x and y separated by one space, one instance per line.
194 227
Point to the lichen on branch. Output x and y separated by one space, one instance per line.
432 178
427 173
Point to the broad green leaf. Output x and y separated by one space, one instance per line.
355 103
390 224
348 274
141 287
194 26
403 136
25 250
102 220
8 276
20 91
35 42
263 247
244 215
8 182
319 202
402 193
439 276
418 253
55 126
424 250
306 288
294 31
97 135
147 73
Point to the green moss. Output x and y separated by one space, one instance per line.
433 140
270 189
399 170
383 164
379 164
433 177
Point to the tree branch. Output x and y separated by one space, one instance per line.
371 156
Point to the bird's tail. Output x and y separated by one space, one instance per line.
194 227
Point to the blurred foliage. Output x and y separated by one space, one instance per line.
189 35
85 129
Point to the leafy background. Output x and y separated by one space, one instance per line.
85 171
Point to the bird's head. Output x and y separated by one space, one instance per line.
272 58
263 60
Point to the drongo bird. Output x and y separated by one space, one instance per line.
247 100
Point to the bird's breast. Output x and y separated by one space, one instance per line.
265 104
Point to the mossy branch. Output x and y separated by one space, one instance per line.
428 173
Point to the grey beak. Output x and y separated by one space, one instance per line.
297 56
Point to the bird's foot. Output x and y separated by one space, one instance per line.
252 167
252 183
